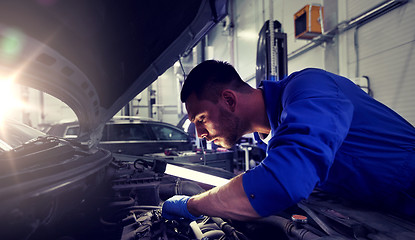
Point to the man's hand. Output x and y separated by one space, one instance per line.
175 208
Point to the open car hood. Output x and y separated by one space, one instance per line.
97 55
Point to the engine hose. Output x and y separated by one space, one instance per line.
291 229
208 227
111 218
228 229
187 188
214 234
122 202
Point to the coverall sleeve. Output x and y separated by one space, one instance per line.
315 120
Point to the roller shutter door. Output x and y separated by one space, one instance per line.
387 55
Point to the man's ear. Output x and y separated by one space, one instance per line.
230 99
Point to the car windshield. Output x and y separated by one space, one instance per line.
72 131
167 133
121 132
14 134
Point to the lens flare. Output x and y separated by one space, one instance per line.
11 44
8 100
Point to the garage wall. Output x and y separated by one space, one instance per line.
385 45
239 46
386 55
54 110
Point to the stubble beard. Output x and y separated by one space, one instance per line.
229 129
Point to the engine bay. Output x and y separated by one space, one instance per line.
137 190
92 194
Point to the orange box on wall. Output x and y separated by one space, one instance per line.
308 21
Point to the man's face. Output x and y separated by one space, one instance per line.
213 121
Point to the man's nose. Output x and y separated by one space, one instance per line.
201 132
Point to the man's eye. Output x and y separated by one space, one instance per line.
201 120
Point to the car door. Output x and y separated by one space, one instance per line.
171 137
128 138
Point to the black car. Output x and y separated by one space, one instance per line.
69 130
137 136
132 135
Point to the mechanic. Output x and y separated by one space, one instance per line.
323 130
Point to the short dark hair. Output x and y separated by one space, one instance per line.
209 78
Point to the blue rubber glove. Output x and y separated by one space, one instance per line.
175 208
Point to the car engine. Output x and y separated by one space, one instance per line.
121 199
139 188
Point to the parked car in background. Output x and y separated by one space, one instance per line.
64 129
132 135
138 136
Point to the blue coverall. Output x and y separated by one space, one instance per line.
330 134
